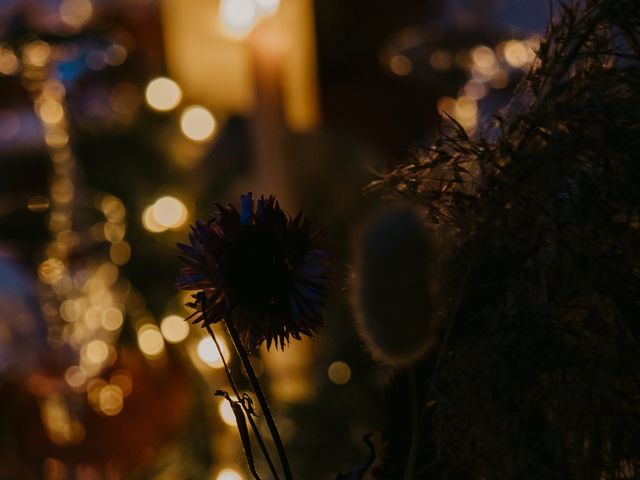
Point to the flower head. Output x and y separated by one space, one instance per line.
258 262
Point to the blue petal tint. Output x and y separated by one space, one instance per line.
246 202
260 263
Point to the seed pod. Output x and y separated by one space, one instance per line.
392 291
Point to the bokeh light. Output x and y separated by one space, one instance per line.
339 373
75 376
150 340
76 13
97 351
197 123
111 319
226 412
400 65
238 16
169 212
174 328
268 6
163 94
110 400
208 353
229 474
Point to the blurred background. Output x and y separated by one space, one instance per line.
121 121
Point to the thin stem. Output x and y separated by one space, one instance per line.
246 363
254 427
413 448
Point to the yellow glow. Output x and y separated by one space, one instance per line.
113 209
208 353
38 204
62 190
97 351
93 391
53 89
174 328
483 56
499 79
75 376
238 16
8 61
516 53
400 65
70 310
440 60
169 212
163 94
76 13
197 123
150 340
120 252
229 474
466 111
93 316
339 373
114 232
56 138
475 89
51 112
122 379
149 221
112 319
447 105
108 273
37 53
268 6
226 412
51 270
110 400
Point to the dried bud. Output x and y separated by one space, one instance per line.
392 289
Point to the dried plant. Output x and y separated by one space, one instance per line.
539 374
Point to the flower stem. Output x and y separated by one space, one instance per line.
254 427
246 363
413 448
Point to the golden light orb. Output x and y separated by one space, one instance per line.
150 340
238 16
76 13
197 123
208 353
163 94
339 373
174 328
229 473
169 212
226 412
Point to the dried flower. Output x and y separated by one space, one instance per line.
259 263
392 290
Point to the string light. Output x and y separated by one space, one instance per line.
165 213
226 412
174 328
169 212
238 16
150 340
229 474
208 353
76 13
163 94
197 123
268 6
339 373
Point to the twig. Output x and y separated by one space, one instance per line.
254 427
246 363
